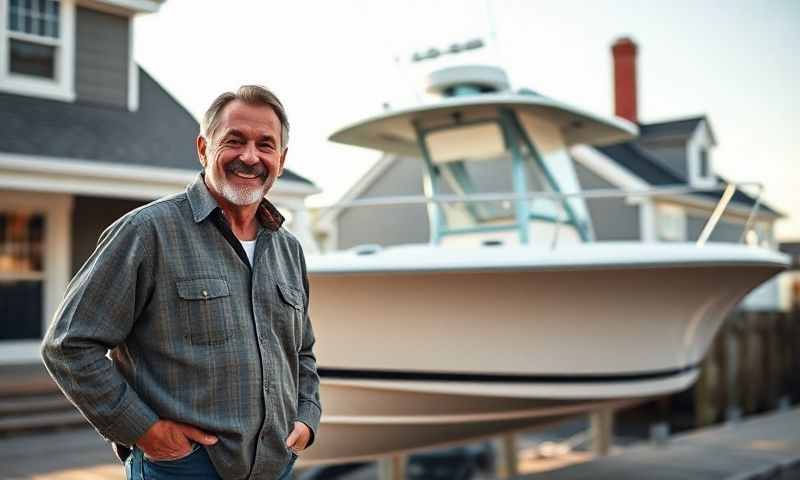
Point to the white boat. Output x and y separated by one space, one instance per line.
424 345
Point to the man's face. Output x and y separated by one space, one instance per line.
244 157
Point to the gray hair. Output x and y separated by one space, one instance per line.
251 95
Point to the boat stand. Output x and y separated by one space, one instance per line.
392 468
601 429
506 458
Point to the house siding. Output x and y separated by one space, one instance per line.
728 232
612 218
90 216
101 58
392 225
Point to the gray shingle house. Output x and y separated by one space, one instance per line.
86 136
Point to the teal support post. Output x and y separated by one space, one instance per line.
519 176
583 231
431 186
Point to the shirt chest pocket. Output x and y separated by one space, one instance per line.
207 309
291 311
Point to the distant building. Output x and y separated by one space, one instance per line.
676 153
86 136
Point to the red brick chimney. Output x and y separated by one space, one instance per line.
624 52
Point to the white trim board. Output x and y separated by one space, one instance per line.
124 7
84 177
133 71
607 168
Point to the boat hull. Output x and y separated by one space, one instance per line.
416 356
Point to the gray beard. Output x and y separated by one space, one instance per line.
242 195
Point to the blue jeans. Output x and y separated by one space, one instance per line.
195 466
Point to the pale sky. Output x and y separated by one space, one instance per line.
332 63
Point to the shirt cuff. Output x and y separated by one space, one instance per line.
130 424
309 413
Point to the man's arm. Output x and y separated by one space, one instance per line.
98 312
309 409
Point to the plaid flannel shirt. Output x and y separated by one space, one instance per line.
196 334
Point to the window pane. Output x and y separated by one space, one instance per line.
21 248
13 20
21 281
20 310
32 59
37 17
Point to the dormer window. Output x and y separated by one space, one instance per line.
703 163
37 48
33 37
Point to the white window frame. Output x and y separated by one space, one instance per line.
700 140
56 208
60 88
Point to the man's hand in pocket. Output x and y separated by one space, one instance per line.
168 440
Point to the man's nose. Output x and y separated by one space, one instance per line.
249 153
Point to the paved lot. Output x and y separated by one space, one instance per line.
766 446
69 455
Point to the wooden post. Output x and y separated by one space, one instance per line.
721 352
505 459
602 429
392 468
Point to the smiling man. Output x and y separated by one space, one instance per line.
202 300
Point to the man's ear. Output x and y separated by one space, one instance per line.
202 146
283 161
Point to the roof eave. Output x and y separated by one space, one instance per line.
135 6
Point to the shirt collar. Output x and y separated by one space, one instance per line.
203 204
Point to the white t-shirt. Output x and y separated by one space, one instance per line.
249 248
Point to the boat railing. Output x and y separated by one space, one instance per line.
728 190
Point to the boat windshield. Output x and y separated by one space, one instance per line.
495 156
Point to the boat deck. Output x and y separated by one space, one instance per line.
764 446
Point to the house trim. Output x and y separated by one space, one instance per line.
700 139
123 7
84 177
144 6
63 86
607 168
133 72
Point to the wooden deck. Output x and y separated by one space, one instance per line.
765 446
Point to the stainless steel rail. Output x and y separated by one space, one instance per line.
728 190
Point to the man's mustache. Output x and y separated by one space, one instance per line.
237 166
